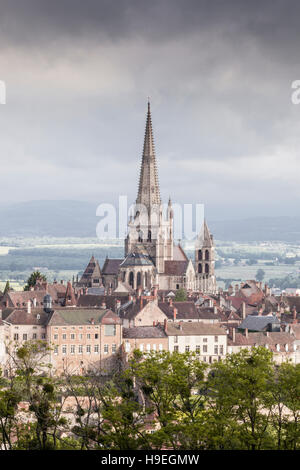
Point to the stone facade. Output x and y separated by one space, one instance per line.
151 255
208 341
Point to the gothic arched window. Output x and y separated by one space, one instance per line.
131 279
149 236
140 236
200 268
139 280
206 255
199 254
206 268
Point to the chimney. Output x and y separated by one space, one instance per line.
233 334
236 289
267 333
103 304
174 313
294 315
92 321
141 302
215 310
180 325
260 312
118 304
170 302
210 303
155 292
28 306
165 324
34 302
243 310
246 332
61 281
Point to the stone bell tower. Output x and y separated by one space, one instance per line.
205 261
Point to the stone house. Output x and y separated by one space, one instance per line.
209 342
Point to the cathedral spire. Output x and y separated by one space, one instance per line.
205 238
148 192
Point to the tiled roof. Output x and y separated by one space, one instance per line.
129 311
20 298
21 317
289 318
261 339
136 259
179 254
296 331
193 329
144 332
90 300
185 310
293 301
207 313
111 266
257 322
92 271
81 316
175 268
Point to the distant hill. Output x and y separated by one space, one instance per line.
49 218
281 228
78 219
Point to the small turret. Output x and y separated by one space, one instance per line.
47 302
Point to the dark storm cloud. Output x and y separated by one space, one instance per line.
36 21
219 75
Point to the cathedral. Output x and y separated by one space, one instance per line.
152 258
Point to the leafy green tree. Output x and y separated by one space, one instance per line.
239 387
285 405
170 383
108 414
180 295
9 399
42 393
33 278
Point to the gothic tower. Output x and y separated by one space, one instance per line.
149 232
205 261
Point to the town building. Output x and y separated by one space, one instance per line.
209 342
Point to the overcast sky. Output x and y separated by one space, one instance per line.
219 74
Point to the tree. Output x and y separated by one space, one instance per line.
180 295
33 278
170 384
285 405
35 384
239 396
260 274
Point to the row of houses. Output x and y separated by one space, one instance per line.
89 331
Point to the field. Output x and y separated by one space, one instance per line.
63 258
